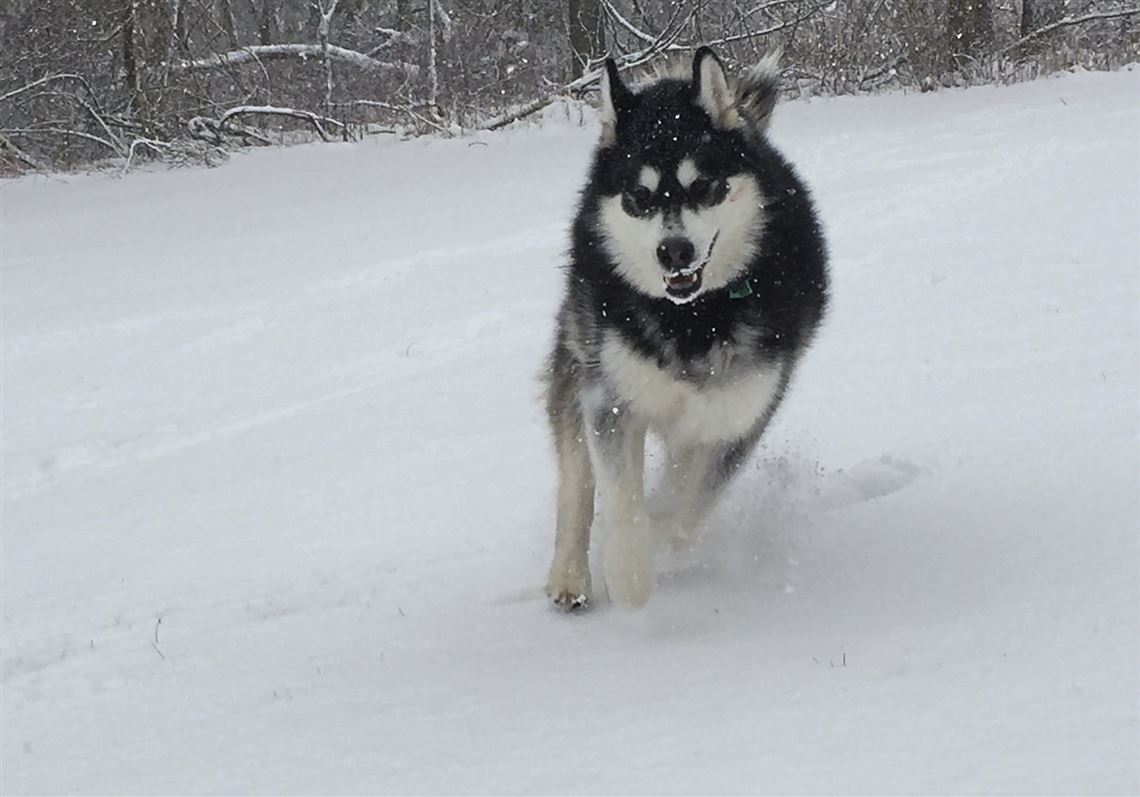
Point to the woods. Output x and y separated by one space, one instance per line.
95 80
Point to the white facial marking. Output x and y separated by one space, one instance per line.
650 178
632 245
687 172
736 224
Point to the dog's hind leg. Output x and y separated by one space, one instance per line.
695 477
617 449
568 583
684 498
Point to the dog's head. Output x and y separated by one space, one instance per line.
679 212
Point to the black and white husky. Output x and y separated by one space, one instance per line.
696 280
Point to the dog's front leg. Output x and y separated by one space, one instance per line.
569 582
617 448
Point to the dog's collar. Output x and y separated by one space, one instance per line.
739 288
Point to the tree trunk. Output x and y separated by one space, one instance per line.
433 71
969 27
265 26
1027 21
226 20
403 15
587 33
130 37
323 37
181 43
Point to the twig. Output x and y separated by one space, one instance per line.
157 146
717 42
766 6
409 109
756 33
100 121
154 643
43 80
661 44
618 18
883 70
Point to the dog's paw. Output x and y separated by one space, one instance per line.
569 591
570 602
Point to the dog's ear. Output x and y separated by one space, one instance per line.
711 91
616 100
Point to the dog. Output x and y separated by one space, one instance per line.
697 278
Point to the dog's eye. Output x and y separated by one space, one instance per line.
709 190
636 200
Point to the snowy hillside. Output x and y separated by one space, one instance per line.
278 497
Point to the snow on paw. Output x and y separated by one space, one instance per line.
569 590
570 602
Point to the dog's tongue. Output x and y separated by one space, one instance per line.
681 280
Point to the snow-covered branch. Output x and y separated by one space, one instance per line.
1067 22
157 146
316 120
42 81
268 52
625 23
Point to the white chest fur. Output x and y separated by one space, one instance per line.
718 406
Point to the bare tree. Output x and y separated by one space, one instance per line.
86 80
587 34
969 27
1027 20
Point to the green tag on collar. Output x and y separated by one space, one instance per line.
739 289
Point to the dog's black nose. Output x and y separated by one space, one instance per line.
675 253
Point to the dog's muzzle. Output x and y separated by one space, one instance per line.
683 276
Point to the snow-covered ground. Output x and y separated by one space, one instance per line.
278 499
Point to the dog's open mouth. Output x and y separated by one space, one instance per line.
682 285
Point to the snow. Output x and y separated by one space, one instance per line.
278 498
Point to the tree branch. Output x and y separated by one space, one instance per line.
43 80
409 109
157 146
623 22
272 110
29 160
661 44
767 31
60 131
268 52
1068 22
